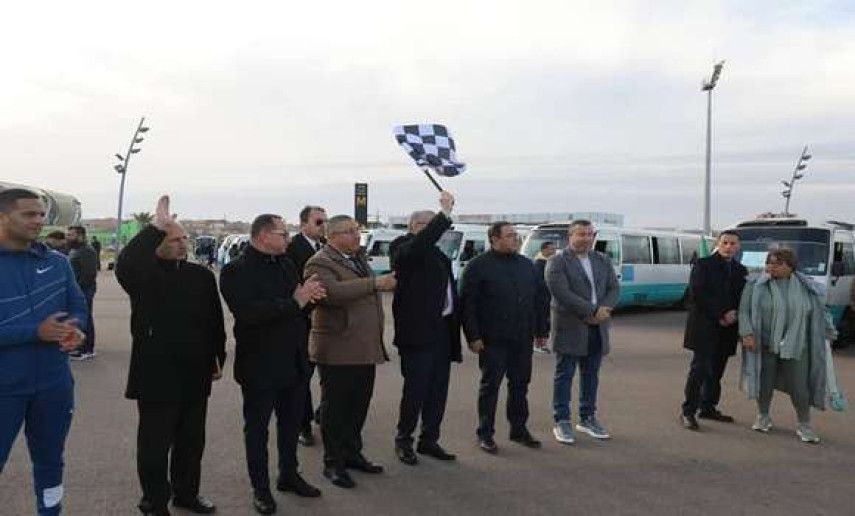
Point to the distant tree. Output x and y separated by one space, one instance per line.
142 217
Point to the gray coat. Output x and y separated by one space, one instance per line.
821 329
571 300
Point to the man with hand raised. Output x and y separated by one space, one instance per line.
178 349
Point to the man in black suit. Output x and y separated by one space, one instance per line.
715 287
263 291
313 225
427 329
178 349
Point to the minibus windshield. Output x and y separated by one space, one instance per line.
810 245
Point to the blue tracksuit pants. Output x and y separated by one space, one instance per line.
46 417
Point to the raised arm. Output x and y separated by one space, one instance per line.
137 262
414 249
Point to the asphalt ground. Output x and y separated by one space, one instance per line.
650 466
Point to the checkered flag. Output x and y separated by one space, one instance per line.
430 146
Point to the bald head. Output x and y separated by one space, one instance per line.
418 220
175 243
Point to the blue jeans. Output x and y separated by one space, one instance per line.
565 367
46 416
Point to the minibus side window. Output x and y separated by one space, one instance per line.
666 250
636 249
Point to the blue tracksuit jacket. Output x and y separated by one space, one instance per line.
34 284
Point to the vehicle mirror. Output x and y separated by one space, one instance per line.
837 269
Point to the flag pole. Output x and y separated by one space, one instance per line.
432 180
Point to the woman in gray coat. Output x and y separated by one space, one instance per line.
783 324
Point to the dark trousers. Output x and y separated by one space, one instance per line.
425 373
258 406
171 436
89 341
345 396
308 410
703 385
497 360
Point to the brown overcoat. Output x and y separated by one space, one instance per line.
347 326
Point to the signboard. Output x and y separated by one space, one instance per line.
360 203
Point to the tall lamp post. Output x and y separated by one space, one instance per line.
122 169
797 174
708 85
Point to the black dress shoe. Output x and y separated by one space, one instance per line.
197 504
715 415
488 445
406 454
689 422
339 477
364 465
297 485
526 439
148 509
434 450
263 502
306 438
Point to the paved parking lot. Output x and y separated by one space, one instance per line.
651 466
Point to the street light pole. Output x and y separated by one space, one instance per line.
122 169
797 174
708 85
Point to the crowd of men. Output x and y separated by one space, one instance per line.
313 303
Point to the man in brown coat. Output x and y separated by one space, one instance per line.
346 342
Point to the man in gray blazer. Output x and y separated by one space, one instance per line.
584 291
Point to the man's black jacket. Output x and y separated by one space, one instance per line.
270 328
299 251
176 323
502 299
84 262
715 287
423 273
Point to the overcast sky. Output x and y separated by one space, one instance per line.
555 105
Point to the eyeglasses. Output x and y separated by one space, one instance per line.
280 233
320 222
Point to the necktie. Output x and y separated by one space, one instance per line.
356 266
317 246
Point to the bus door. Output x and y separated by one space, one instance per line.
841 274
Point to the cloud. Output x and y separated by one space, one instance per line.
561 103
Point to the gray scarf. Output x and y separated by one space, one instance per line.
791 310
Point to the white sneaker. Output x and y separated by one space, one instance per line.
591 426
563 432
806 433
762 424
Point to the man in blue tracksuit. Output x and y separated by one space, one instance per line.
42 311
